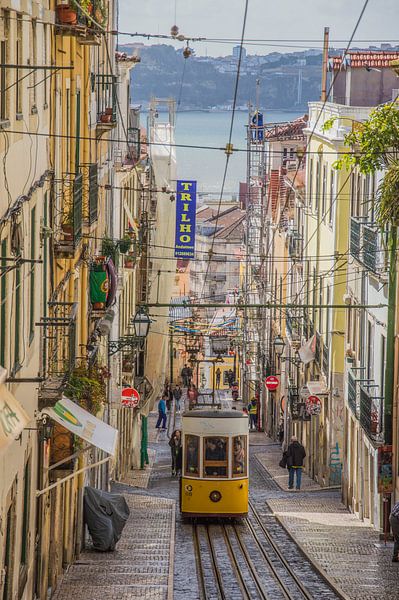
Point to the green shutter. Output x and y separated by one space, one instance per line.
17 321
3 295
32 268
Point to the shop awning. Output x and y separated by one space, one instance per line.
82 423
13 418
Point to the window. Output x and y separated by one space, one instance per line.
191 459
215 457
33 57
370 350
239 456
19 61
317 190
324 194
331 199
32 274
310 200
3 296
25 517
46 79
4 57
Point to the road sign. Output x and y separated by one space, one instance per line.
130 397
313 405
272 383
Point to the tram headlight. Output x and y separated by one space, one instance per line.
215 496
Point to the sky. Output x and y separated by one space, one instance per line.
267 20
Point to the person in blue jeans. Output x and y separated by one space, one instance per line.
161 413
295 456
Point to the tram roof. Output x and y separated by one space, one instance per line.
214 414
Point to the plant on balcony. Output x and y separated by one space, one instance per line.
67 224
375 146
100 12
110 248
124 244
87 387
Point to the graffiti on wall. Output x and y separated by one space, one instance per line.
335 465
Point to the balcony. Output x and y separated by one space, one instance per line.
106 103
68 237
293 327
93 193
371 410
87 28
325 360
58 350
295 245
367 245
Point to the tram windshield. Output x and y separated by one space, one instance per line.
239 456
215 459
192 455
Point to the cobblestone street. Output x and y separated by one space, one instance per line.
156 556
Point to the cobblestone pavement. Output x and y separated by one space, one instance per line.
345 549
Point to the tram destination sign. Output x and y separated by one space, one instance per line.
186 200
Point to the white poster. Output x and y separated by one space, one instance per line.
13 418
82 423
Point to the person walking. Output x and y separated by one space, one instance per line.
189 375
394 521
184 376
295 455
230 377
176 451
192 395
161 413
218 375
177 394
253 413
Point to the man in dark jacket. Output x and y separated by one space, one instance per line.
295 455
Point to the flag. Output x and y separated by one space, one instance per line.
308 350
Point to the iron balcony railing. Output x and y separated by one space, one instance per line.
367 245
325 360
352 392
293 326
134 149
371 410
295 245
77 208
106 99
93 193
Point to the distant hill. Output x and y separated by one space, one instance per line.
287 81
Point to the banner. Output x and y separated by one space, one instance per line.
186 199
308 350
82 423
13 418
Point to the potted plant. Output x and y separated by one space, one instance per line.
124 244
130 261
100 12
110 248
67 13
87 387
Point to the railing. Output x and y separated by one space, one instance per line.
69 223
295 246
352 392
371 413
133 136
318 351
93 193
77 208
293 326
367 245
106 99
96 10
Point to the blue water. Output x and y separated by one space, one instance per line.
212 129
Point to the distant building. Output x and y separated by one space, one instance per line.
236 53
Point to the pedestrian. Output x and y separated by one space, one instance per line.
189 375
177 394
161 413
281 432
192 395
184 376
230 377
295 455
175 448
253 413
394 520
218 374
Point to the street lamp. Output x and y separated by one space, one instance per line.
141 324
278 345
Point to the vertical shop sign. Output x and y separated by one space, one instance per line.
186 199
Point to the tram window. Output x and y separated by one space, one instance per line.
192 455
239 456
215 460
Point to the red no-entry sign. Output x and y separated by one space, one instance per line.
272 382
130 397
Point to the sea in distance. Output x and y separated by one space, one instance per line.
197 128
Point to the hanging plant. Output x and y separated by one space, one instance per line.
124 244
110 249
87 387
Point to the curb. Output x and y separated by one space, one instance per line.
335 588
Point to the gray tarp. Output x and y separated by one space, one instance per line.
105 515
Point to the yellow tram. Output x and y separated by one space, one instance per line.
214 479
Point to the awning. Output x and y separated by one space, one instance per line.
82 423
13 418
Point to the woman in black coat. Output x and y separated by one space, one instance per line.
176 451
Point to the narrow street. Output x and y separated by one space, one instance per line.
279 552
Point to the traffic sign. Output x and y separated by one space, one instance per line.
130 397
272 383
313 405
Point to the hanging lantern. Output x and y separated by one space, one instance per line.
187 52
174 30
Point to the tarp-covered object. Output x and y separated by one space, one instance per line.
105 515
